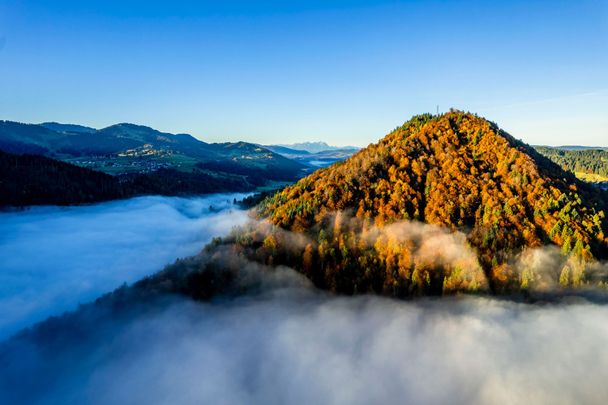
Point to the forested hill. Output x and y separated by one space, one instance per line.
32 179
455 170
38 180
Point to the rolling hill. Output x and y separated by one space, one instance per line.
68 128
34 180
37 180
128 148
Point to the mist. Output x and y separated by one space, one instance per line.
53 258
269 336
291 343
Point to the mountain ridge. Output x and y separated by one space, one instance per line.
60 127
129 148
316 146
314 160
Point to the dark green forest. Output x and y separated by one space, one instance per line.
38 180
587 161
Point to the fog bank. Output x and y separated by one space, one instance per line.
294 344
52 258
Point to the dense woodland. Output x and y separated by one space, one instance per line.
255 175
588 161
37 180
455 170
34 180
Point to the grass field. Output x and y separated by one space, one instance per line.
115 165
591 177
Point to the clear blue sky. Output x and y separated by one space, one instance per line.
345 72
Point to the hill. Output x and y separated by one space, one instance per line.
38 180
16 137
128 148
489 199
285 151
68 128
32 179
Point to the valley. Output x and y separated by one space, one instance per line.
347 202
125 149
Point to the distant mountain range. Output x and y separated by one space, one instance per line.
176 164
579 147
571 147
314 154
146 161
316 147
127 148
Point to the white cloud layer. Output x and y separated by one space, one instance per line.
53 258
297 345
284 343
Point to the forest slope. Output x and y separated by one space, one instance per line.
456 171
38 180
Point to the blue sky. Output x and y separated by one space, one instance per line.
346 72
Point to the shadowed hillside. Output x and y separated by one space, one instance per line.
587 163
38 180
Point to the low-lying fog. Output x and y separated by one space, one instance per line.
295 345
53 258
283 343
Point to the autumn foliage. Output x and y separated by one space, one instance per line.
486 191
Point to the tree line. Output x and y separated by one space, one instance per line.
38 180
588 161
